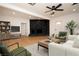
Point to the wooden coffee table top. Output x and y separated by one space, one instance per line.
44 43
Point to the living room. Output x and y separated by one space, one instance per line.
22 17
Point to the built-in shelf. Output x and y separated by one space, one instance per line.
4 26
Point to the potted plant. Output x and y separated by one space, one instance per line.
71 26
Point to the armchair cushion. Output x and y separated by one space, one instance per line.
20 52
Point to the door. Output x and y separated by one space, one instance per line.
23 28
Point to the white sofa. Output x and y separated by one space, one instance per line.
65 49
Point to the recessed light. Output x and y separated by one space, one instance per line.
13 13
30 16
58 23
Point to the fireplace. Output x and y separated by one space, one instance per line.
39 27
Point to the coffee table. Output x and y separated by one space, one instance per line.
44 43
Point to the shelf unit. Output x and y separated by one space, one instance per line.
4 26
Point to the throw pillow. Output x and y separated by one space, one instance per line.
72 37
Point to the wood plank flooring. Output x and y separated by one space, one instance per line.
25 41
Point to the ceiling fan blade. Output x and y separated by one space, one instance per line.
74 3
48 11
52 13
58 6
32 4
48 7
59 9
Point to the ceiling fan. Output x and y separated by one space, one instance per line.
32 4
54 8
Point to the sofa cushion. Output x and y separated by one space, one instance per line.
56 49
76 42
69 43
65 49
72 51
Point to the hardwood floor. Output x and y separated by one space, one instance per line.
25 41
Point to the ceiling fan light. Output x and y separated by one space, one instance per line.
53 10
74 9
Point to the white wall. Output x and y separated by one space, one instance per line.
55 28
16 21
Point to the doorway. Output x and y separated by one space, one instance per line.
23 28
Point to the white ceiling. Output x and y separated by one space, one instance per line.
39 9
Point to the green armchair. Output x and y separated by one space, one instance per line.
19 51
62 36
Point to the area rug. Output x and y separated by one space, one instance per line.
35 52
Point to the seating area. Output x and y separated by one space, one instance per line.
40 29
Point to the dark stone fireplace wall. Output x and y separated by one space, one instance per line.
39 27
